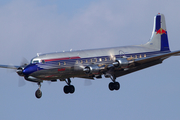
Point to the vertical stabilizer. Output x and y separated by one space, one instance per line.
159 38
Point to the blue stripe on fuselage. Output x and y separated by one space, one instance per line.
71 62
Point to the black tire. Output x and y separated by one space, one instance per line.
116 86
71 89
38 93
111 86
66 89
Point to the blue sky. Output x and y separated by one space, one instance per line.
30 27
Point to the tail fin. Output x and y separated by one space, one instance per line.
159 38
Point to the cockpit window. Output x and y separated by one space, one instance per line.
35 61
43 61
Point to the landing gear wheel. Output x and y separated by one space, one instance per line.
66 89
111 86
38 93
116 86
71 89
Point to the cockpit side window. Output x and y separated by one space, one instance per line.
35 61
43 61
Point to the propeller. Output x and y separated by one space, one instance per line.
11 70
78 66
49 82
87 82
18 70
24 62
21 82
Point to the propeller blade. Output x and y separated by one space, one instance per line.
49 82
12 68
24 61
87 82
21 82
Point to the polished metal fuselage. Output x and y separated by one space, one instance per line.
70 64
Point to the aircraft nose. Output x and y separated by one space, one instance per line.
29 69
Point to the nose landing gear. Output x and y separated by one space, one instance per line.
38 92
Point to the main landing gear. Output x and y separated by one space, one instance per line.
38 92
114 85
68 88
71 89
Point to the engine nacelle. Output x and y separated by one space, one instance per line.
92 69
121 63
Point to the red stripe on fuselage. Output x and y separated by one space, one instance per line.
67 58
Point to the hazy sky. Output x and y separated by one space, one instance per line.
30 27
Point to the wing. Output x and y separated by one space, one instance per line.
142 63
161 56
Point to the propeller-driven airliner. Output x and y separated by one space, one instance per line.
91 64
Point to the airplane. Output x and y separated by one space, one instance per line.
94 63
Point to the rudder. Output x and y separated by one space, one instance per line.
159 38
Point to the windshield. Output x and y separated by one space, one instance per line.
35 61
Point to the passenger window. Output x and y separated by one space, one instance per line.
81 61
91 60
144 55
64 63
95 59
86 61
100 59
105 59
59 63
76 61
